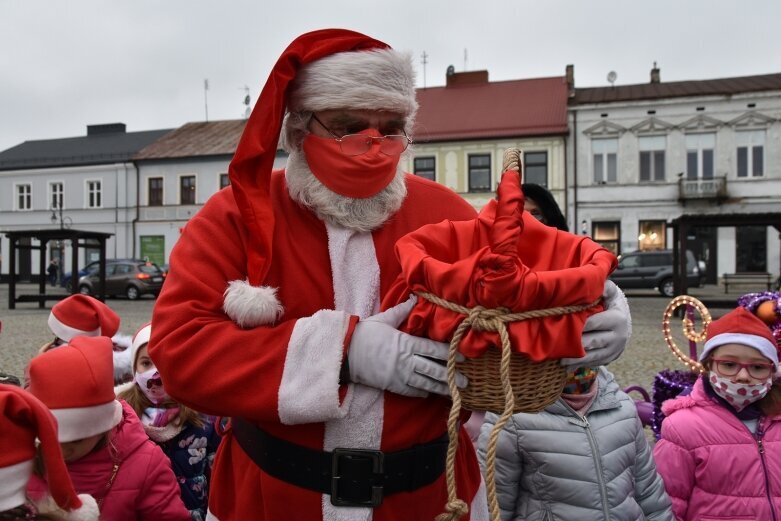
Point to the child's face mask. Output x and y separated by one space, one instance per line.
739 395
151 385
579 380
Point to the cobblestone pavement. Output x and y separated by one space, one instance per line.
24 330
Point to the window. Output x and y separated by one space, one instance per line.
187 189
425 167
699 155
155 191
225 181
608 235
652 235
94 199
24 197
652 158
605 153
751 156
55 195
535 168
751 249
479 172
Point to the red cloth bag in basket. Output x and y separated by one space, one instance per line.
503 259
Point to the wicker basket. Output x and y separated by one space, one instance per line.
535 385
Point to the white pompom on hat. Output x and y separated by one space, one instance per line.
740 326
82 315
23 419
76 383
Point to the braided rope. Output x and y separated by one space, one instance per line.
493 320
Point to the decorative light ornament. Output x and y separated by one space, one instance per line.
688 329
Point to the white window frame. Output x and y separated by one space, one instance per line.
88 190
652 145
699 143
28 196
179 189
750 140
419 170
604 147
52 205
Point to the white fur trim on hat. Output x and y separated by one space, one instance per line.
66 332
78 423
251 306
761 344
378 79
139 340
14 480
88 511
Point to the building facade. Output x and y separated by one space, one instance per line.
642 155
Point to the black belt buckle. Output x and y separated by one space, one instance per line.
374 458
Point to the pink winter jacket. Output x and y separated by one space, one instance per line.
713 467
144 488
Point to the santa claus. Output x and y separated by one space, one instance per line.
271 312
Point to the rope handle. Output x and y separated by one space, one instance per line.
482 319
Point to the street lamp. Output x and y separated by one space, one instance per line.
57 216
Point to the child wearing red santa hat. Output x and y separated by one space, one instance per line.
720 452
186 437
82 315
23 418
107 452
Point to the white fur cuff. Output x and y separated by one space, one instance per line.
251 306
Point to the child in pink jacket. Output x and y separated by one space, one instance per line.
720 452
107 452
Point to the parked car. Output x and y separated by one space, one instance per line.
654 269
131 278
86 270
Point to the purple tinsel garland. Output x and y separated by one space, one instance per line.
751 302
667 385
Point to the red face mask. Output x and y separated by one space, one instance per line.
359 176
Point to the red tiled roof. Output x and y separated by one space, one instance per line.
205 138
518 108
678 89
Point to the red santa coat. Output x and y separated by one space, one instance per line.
284 377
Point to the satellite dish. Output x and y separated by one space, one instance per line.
450 70
611 77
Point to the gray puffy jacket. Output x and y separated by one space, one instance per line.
557 465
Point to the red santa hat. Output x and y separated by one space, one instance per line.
23 418
82 315
740 326
76 382
140 339
320 70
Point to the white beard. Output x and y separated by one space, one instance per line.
355 214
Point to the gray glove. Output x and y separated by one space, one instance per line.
383 357
605 334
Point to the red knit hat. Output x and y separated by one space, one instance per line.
317 71
740 326
23 418
82 315
76 382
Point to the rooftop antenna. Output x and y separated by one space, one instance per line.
205 99
247 101
424 61
611 77
465 56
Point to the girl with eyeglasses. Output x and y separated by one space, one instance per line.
720 452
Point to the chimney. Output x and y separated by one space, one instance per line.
466 78
106 128
570 78
655 74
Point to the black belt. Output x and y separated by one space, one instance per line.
352 477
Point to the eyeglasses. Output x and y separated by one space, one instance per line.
758 370
357 144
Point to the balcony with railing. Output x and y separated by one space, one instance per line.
702 189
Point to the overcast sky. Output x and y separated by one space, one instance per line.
65 64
